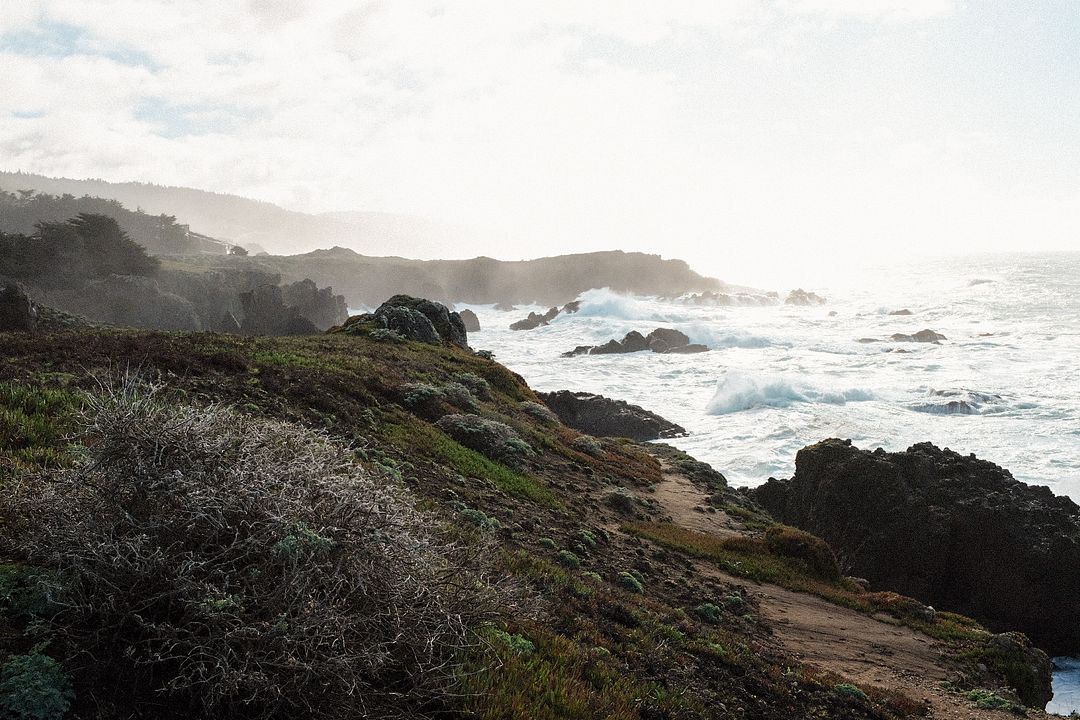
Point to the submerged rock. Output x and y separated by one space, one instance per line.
905 311
598 415
953 531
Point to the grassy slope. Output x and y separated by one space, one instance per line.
619 631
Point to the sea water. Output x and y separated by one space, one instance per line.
779 377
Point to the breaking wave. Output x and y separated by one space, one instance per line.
738 391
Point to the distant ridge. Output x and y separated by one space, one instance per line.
244 221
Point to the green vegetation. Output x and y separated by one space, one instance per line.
34 687
34 423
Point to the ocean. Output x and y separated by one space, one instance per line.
780 377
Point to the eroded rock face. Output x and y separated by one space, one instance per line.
598 415
319 305
17 310
953 531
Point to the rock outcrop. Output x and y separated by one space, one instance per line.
951 530
804 298
598 415
469 319
535 320
265 313
412 318
319 305
660 340
17 310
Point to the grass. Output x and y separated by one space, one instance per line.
34 424
414 436
758 559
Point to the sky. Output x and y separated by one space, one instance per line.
753 138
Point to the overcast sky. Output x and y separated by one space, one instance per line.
740 135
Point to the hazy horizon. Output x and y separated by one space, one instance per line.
751 139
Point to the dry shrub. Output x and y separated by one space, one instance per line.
243 567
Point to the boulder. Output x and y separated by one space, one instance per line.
17 311
598 415
663 339
414 319
469 319
448 325
954 531
505 307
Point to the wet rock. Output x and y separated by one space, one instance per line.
905 311
469 319
598 415
17 311
923 336
953 531
660 340
505 307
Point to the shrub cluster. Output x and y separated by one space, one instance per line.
492 438
243 567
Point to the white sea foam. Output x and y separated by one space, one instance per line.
739 391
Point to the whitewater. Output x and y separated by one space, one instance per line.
1003 384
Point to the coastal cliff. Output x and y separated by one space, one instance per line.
949 529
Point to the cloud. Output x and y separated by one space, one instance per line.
692 128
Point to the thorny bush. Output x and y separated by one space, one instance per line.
243 567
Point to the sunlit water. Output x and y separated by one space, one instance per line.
780 377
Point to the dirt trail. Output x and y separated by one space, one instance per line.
687 504
867 650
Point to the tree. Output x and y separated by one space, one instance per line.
238 251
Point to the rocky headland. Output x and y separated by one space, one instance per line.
952 530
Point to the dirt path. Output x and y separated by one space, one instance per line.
687 504
867 650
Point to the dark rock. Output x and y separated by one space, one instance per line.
17 310
572 307
413 318
609 348
448 325
598 415
469 319
803 298
951 530
661 340
579 350
634 342
905 311
534 321
687 349
923 336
